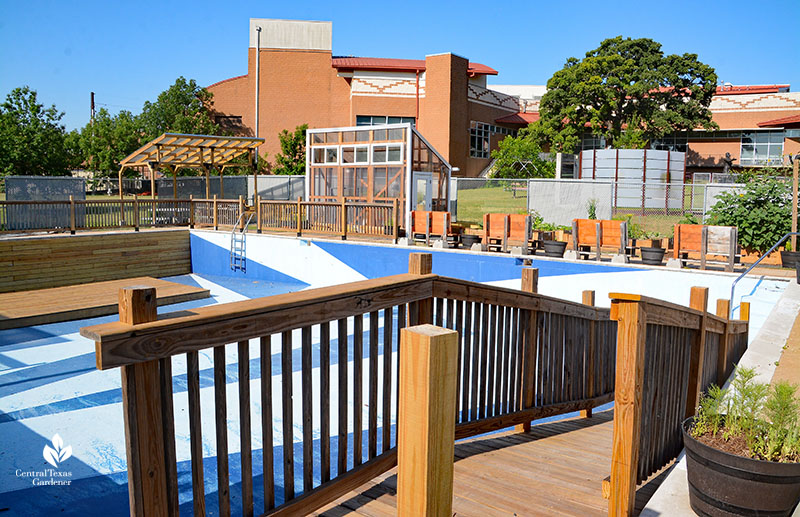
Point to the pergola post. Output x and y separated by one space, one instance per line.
121 201
152 167
174 182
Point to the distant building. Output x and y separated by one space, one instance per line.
447 98
300 81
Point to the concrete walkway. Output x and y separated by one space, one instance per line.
672 497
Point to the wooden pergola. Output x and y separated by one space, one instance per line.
176 150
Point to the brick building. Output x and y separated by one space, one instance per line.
294 78
300 81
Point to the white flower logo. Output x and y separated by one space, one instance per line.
58 453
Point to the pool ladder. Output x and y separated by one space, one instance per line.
238 260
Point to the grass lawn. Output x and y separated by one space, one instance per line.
473 203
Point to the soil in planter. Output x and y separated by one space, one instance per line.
736 445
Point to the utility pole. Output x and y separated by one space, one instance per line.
92 108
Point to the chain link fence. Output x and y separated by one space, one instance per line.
653 208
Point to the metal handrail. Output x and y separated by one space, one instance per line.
762 257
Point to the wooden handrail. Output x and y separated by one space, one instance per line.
119 344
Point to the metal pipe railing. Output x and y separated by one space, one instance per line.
762 257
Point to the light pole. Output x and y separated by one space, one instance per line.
795 164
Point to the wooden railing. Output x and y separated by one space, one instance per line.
216 212
521 356
72 215
667 355
332 218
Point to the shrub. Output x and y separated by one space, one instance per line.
762 212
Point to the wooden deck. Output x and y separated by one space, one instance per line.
555 469
38 307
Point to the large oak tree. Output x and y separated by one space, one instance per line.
627 91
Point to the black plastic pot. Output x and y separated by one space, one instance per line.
468 240
652 256
722 484
790 258
554 248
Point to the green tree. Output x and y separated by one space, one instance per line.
519 157
104 143
32 139
626 84
292 159
184 107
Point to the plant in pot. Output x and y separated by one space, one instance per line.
653 255
789 257
743 449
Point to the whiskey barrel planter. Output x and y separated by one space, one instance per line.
467 240
790 258
652 256
722 484
554 248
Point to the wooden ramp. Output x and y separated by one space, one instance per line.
555 469
26 308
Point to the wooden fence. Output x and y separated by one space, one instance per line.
332 218
342 219
521 356
667 355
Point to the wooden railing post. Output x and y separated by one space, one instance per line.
421 311
148 417
426 427
191 211
241 212
344 219
258 214
395 221
135 212
587 298
72 214
725 343
214 208
299 216
631 317
698 301
530 284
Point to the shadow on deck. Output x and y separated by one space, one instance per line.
555 469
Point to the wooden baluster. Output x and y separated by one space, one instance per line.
724 364
426 427
258 214
587 298
299 216
191 211
147 412
699 302
135 212
267 458
71 215
631 317
221 427
195 432
343 217
530 284
244 425
241 212
420 311
215 217
395 221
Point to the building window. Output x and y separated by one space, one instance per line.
325 155
387 153
762 148
374 120
676 142
480 135
355 154
591 141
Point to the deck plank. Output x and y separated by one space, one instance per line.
57 304
555 469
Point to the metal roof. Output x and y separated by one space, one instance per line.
389 64
191 150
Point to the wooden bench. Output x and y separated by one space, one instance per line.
427 225
495 231
705 240
599 234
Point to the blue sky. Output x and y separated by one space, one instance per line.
128 52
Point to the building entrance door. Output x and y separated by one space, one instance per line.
421 191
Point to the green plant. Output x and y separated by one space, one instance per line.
688 219
767 418
591 208
635 231
762 211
